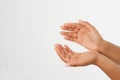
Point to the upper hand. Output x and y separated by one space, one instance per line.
83 33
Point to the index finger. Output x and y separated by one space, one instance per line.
71 26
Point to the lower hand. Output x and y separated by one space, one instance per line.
74 59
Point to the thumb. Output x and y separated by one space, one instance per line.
67 65
86 24
70 64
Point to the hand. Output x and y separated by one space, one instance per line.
75 59
82 33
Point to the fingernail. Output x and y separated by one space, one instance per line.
62 27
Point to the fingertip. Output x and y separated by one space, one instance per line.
62 27
66 46
67 65
57 45
80 20
62 32
70 65
66 38
56 50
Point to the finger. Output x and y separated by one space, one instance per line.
70 34
69 51
76 30
61 53
64 51
66 33
71 39
67 48
86 24
69 28
67 65
81 35
70 24
71 64
78 26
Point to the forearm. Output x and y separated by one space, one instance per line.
110 50
111 68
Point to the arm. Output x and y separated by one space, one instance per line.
86 35
110 50
73 59
108 66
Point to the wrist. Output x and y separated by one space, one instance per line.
111 68
99 59
103 46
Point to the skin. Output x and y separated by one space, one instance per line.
73 59
86 35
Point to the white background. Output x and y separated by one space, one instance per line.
30 28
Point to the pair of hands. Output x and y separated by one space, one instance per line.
84 34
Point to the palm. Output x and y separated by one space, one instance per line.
83 59
85 35
73 58
89 39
